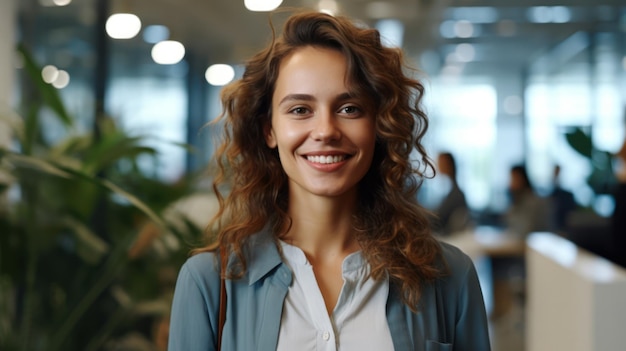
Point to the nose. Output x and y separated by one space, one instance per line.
326 128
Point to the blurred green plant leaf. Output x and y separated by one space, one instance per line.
49 94
50 168
580 142
91 247
15 160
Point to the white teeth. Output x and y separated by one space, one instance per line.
325 159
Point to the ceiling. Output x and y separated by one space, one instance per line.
224 31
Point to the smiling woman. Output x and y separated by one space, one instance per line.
323 244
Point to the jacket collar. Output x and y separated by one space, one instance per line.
262 255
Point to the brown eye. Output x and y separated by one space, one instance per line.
350 110
299 110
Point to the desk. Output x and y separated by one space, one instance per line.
576 299
488 245
488 241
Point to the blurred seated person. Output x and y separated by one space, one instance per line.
562 202
452 212
527 212
618 218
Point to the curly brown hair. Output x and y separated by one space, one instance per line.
392 228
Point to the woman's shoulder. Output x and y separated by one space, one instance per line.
457 264
202 267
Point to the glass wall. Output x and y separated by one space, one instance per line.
580 83
576 86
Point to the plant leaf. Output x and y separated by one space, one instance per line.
49 94
580 141
31 162
96 248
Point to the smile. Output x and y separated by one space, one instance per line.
326 159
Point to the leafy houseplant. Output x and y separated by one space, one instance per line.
602 178
77 220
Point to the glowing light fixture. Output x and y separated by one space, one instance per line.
49 73
328 6
262 5
463 29
57 77
62 80
123 26
219 74
49 3
549 14
168 52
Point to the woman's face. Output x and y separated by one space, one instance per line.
325 137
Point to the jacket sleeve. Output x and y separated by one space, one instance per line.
471 329
193 319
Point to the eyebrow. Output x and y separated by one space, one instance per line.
307 97
296 97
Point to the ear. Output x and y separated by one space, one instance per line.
270 138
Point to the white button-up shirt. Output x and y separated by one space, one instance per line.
358 321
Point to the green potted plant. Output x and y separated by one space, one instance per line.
78 219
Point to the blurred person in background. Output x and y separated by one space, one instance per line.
527 211
562 203
453 214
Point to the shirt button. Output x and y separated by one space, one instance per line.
326 336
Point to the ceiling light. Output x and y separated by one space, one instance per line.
446 29
49 73
219 74
168 52
561 14
328 6
62 80
123 26
463 29
262 5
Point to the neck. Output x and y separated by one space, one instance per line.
322 226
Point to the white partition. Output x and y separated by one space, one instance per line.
576 301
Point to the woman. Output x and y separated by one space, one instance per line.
326 245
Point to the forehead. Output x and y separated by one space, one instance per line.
312 70
313 58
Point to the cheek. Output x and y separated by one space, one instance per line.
366 138
289 137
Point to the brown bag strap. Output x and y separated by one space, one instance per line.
222 312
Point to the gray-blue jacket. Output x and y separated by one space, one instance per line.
451 313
